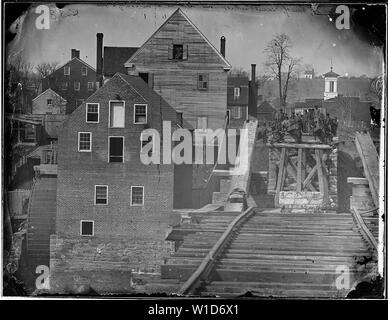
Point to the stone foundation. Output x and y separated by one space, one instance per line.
105 265
300 200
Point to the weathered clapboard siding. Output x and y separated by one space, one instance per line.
176 81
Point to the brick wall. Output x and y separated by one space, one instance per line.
130 237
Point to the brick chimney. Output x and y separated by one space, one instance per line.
252 98
75 53
99 66
222 46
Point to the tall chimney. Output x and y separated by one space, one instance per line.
223 46
253 73
99 65
74 53
252 98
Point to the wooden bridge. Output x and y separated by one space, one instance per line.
272 252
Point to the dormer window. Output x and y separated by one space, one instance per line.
66 71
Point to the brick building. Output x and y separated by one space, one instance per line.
113 211
237 99
75 81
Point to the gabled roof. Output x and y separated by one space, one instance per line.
115 57
227 65
265 107
52 91
62 65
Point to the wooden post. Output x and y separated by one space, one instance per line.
299 172
281 175
321 179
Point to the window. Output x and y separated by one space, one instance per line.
84 141
236 93
116 149
84 71
331 88
140 114
202 123
77 86
87 228
78 102
64 86
137 195
92 112
100 194
90 86
177 52
236 112
203 81
49 102
66 71
116 114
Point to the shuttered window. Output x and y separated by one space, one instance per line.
117 114
116 149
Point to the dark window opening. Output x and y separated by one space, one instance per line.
177 52
92 112
203 80
87 228
116 149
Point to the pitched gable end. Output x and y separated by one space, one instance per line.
178 26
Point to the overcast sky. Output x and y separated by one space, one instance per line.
247 32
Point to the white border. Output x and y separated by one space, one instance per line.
109 148
134 113
110 101
95 195
80 228
137 205
98 112
91 136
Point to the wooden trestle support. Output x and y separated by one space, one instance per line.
302 168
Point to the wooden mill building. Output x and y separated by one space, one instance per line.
186 70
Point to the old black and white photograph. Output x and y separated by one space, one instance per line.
193 150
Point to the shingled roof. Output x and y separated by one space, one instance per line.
115 57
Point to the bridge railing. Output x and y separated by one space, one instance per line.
206 267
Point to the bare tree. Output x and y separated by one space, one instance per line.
46 68
238 72
280 64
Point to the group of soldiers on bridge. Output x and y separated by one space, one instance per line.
313 122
